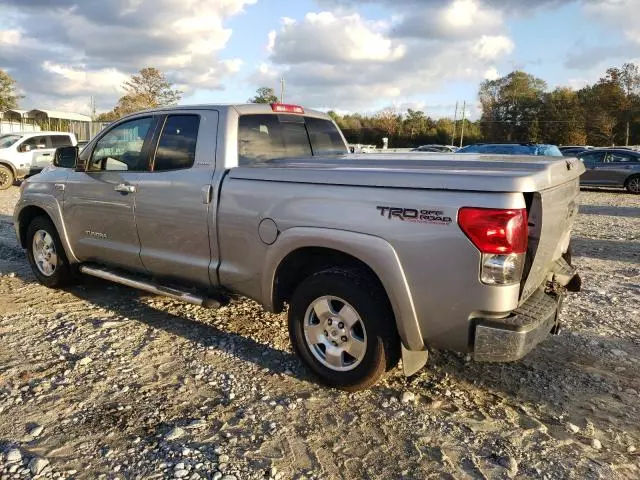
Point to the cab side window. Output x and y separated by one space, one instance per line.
122 148
177 145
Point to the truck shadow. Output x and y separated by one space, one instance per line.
127 302
610 210
605 249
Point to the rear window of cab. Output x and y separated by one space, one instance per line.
267 138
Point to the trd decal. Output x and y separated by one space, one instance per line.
415 215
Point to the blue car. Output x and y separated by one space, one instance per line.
513 149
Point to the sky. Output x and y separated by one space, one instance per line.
343 55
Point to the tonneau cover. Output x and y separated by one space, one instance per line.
492 173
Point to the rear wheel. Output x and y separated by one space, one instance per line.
46 254
6 177
342 327
633 184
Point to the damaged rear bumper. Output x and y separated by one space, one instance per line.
511 338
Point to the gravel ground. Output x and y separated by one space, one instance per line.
101 381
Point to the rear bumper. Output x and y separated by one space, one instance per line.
511 338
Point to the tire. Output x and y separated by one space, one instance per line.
370 334
6 177
633 184
60 274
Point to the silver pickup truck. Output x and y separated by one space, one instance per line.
377 257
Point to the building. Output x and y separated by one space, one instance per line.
35 120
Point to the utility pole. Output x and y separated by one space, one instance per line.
92 107
627 137
464 108
282 90
455 119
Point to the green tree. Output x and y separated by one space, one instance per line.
563 118
511 107
628 79
150 88
264 95
8 96
603 104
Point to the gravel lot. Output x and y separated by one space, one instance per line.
101 381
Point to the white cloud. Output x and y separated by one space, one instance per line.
491 74
10 37
341 59
108 41
491 47
272 41
326 37
462 13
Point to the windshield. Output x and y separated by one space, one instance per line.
8 140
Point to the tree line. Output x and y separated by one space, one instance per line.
518 107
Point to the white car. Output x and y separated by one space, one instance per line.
23 154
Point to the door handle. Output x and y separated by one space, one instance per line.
46 154
125 188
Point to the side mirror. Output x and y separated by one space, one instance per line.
66 157
24 148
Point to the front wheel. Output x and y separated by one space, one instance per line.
633 184
342 327
6 177
46 254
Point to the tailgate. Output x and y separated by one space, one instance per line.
551 216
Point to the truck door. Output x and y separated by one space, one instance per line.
99 202
175 208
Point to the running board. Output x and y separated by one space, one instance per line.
187 297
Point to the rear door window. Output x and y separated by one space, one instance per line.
266 138
325 137
177 145
60 141
617 157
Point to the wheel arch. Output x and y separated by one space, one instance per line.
25 217
9 165
50 209
300 251
631 177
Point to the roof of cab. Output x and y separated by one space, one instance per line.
241 108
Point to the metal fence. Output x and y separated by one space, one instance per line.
19 121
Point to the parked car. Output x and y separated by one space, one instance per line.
377 256
24 154
512 149
607 167
435 148
573 150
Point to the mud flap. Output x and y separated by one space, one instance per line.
412 361
566 275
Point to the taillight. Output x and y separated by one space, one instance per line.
501 237
495 231
286 108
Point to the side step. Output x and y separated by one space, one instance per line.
131 281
